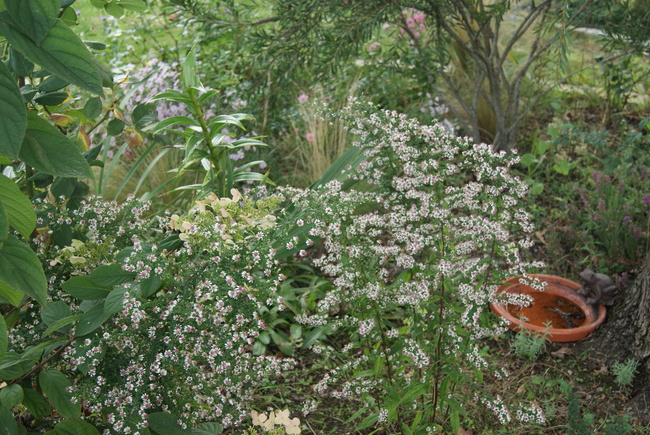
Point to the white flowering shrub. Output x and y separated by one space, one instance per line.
416 250
162 315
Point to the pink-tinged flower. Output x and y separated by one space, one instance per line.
310 137
419 18
374 46
303 98
386 26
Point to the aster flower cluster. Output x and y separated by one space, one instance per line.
179 335
415 253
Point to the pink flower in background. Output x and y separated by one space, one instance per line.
374 46
310 137
419 18
303 98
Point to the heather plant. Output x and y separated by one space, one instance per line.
415 253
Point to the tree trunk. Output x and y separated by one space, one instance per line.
626 334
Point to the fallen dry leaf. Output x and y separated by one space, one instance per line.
562 353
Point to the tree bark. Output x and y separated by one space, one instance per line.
626 334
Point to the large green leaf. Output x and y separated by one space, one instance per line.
55 311
61 52
21 270
91 320
133 5
4 340
55 384
165 423
14 366
75 427
35 17
35 404
4 223
48 150
20 214
11 296
8 425
12 114
83 287
11 395
111 275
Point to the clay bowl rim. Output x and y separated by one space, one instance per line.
561 287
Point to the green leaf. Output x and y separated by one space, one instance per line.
4 223
52 98
8 425
190 78
282 341
14 366
13 117
11 395
18 208
413 392
166 424
12 296
19 64
35 17
115 127
36 404
4 339
52 83
150 286
208 429
55 311
83 287
133 5
69 17
368 421
55 384
75 427
21 270
59 324
115 10
93 108
108 276
91 320
115 301
61 53
527 160
46 149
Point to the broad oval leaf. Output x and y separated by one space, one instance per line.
36 404
46 149
166 424
61 52
55 311
55 385
18 208
14 366
13 117
7 421
11 395
83 287
91 320
21 270
75 427
133 5
35 17
111 275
